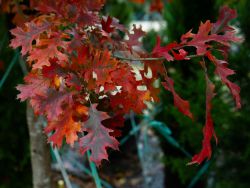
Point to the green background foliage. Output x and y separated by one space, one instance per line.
14 140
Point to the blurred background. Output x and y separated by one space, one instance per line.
172 138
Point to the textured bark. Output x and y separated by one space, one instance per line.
40 155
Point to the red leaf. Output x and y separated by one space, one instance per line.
182 55
24 38
35 85
106 25
101 65
208 130
114 123
51 104
223 72
205 35
53 70
125 102
41 56
182 105
164 51
200 39
149 83
226 14
64 127
135 36
98 137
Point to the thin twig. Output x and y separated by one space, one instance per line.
148 58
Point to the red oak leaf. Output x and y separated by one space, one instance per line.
226 14
51 104
127 80
73 81
159 51
24 38
86 18
63 127
106 25
223 72
53 70
201 40
135 36
125 102
35 85
48 49
81 57
182 55
208 130
98 137
182 105
101 65
67 6
149 83
114 123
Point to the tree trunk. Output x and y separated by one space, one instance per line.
40 154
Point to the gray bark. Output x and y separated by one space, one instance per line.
40 154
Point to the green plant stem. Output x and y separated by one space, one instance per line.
62 168
94 172
6 74
88 172
199 174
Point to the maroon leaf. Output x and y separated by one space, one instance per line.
98 137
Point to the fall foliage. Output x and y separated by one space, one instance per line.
84 77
